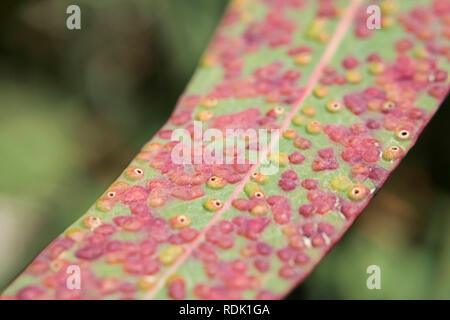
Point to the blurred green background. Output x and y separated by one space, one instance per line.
76 106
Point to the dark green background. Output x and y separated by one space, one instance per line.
76 106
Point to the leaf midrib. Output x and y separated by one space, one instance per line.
338 35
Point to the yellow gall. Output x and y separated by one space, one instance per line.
205 115
303 58
388 7
105 204
309 111
111 194
259 177
174 277
147 282
92 222
314 127
353 76
423 77
403 134
277 111
320 92
56 265
134 173
209 102
420 53
248 251
298 120
259 210
209 60
323 37
340 183
246 16
393 153
279 158
423 66
374 105
387 105
259 195
117 188
252 188
334 106
180 221
76 234
216 182
297 242
358 192
213 204
290 230
155 201
171 254
290 134
153 146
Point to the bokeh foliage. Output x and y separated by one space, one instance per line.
77 105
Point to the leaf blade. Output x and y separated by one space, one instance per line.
194 271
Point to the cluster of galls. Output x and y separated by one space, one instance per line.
301 237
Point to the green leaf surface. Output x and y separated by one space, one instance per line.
342 104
